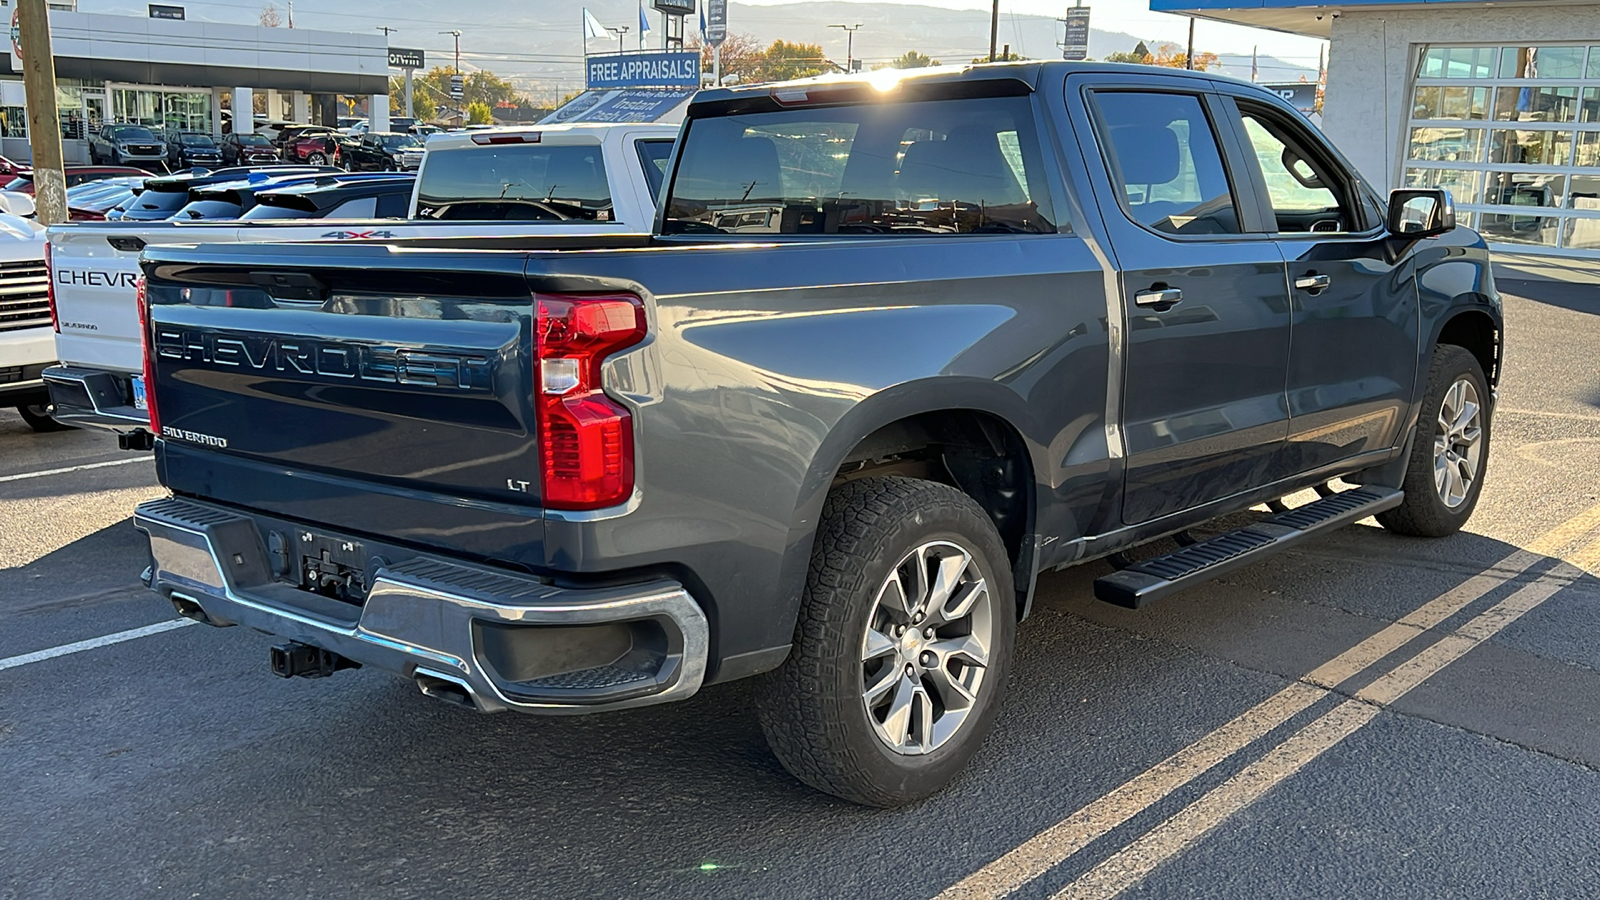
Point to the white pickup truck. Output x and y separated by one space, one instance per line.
559 179
26 347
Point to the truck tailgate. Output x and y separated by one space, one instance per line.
321 375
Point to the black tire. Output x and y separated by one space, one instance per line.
812 707
39 420
1425 512
317 159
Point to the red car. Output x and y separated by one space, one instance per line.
317 148
76 175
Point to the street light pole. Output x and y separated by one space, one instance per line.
849 45
410 106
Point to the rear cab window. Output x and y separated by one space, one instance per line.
653 157
547 182
919 167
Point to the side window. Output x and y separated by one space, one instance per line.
394 206
361 208
1167 162
653 157
1304 195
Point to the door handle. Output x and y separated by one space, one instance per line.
1311 281
1160 298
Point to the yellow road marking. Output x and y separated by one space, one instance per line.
1055 844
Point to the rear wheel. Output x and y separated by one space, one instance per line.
902 647
1444 476
38 418
317 159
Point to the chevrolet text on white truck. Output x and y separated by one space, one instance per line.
559 179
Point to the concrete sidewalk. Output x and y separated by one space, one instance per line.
1528 267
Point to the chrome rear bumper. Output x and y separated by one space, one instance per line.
91 398
496 640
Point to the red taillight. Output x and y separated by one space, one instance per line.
50 288
149 357
586 438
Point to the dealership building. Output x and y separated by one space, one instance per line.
177 73
1496 100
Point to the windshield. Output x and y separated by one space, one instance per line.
130 133
19 182
197 140
208 209
280 208
959 166
398 141
521 182
254 140
154 200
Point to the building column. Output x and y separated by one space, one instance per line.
300 107
216 112
244 111
378 112
274 105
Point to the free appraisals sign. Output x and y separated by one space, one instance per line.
667 68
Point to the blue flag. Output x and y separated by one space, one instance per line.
702 23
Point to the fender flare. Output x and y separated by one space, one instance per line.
930 395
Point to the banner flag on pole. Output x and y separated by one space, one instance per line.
592 27
644 21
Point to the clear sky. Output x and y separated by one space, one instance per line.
1135 17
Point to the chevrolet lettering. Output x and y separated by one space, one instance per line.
329 359
93 278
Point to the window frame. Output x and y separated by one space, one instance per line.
1349 192
1246 206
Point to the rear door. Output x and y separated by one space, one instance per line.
1354 305
1205 306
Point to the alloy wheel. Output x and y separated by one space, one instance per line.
925 652
1458 443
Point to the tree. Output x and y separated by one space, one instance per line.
1169 55
783 61
270 17
1007 56
741 56
432 89
911 59
479 113
1128 56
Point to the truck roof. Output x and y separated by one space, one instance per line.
1029 73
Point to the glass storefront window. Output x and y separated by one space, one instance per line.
1436 144
1459 62
1588 149
1542 62
1523 189
1536 104
1594 62
1530 148
1451 103
162 108
1585 192
1461 184
1519 229
1582 234
13 122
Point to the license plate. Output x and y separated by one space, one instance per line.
139 400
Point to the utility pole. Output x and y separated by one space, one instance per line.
44 123
1188 59
457 36
849 45
1255 56
994 28
410 107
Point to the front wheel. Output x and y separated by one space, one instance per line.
902 647
38 418
1450 452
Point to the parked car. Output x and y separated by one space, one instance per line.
837 453
356 128
422 131
349 196
381 152
96 265
344 122
248 149
165 195
402 124
10 169
227 200
90 201
191 149
288 134
318 147
27 341
122 145
76 175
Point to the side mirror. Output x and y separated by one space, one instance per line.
15 204
1421 213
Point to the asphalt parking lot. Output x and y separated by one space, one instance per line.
1370 716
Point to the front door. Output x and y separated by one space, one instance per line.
1354 362
1206 308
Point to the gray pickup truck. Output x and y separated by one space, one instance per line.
898 344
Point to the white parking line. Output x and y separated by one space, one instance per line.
1057 843
92 643
99 465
